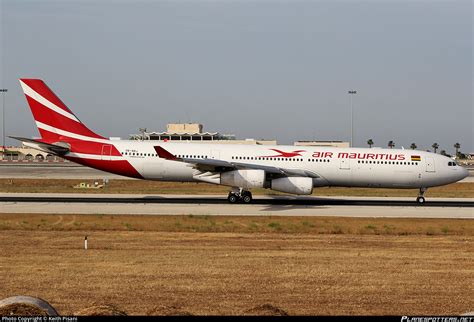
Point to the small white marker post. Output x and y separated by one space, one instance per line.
85 243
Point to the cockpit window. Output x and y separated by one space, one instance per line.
451 164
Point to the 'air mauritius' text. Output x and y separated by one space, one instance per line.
361 156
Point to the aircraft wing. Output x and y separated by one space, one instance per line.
59 148
217 165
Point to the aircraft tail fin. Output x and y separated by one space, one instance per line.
55 121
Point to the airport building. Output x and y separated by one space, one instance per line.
193 132
26 154
337 144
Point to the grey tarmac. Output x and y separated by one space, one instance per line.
216 205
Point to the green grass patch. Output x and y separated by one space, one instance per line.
275 225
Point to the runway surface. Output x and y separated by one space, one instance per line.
218 205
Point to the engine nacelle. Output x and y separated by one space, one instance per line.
294 185
243 178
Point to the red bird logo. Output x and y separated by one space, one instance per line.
285 154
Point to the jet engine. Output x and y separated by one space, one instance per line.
293 185
245 179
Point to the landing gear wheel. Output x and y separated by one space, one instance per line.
421 198
247 197
232 198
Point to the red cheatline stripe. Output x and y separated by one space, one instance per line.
123 168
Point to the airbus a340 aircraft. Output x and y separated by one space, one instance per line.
289 169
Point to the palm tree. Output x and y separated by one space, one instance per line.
443 152
370 142
457 146
391 144
435 146
413 146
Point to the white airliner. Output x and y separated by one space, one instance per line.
289 169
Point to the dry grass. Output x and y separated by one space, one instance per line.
459 190
238 224
239 265
231 273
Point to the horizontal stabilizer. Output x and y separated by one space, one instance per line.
59 148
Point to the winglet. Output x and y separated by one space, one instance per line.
162 153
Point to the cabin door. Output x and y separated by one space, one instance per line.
430 165
106 152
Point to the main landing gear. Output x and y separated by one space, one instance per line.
421 198
241 195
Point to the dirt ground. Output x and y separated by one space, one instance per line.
305 271
457 190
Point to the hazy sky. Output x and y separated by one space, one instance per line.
258 69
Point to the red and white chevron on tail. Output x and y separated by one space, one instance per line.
57 124
54 119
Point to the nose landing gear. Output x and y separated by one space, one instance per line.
421 199
241 195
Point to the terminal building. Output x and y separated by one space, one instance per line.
335 144
193 132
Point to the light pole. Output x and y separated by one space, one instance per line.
4 92
351 93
